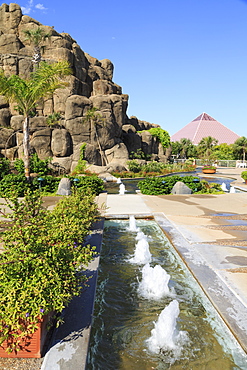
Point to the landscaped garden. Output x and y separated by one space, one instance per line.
12 178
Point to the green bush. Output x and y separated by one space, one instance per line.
139 154
134 166
162 135
18 185
244 175
48 184
82 163
88 184
210 188
36 165
14 184
45 255
19 166
153 186
153 167
164 185
4 167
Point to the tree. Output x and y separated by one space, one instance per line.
188 149
205 148
184 148
95 120
26 93
223 151
240 147
36 38
176 148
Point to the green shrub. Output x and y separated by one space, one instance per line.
139 154
210 188
164 185
14 184
134 166
4 167
19 166
153 167
88 184
162 135
45 255
81 164
153 186
48 184
36 165
18 185
244 175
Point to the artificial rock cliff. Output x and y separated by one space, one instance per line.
89 86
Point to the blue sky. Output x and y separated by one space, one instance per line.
174 58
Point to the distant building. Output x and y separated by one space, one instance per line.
204 126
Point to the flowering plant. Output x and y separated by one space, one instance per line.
209 167
42 263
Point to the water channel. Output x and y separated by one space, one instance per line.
149 312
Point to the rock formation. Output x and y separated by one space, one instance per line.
90 86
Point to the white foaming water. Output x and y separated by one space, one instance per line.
165 336
140 235
119 180
232 189
142 254
132 224
223 186
154 284
121 189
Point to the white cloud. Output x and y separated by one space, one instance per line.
29 7
40 7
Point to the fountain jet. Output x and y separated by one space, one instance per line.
154 284
165 336
122 189
142 254
132 224
223 186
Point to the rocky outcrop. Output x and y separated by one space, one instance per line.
111 134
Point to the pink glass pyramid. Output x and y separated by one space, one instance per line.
204 126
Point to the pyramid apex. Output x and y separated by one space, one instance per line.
204 117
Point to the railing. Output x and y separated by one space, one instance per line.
219 163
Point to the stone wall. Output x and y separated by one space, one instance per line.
89 86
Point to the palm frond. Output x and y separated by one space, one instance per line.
47 78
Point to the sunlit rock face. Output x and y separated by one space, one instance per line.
90 86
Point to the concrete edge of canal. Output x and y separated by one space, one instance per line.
228 305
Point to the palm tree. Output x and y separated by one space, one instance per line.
240 146
95 119
188 149
26 93
205 147
36 38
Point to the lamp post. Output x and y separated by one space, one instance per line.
40 180
196 181
75 182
